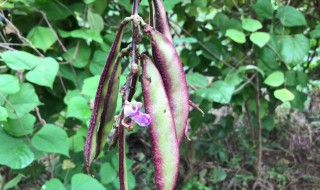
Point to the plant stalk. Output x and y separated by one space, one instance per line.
129 88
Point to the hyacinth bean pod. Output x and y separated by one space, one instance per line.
91 145
109 108
122 159
161 21
165 148
170 66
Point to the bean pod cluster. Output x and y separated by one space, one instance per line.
165 95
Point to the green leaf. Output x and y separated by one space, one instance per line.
20 60
42 37
131 180
90 86
236 35
13 182
51 139
70 95
23 102
20 127
98 6
294 49
78 107
251 25
95 21
9 84
3 114
196 80
108 173
85 182
55 10
188 40
268 123
53 184
219 91
250 67
44 73
316 32
260 38
275 79
289 16
14 152
291 79
169 4
89 1
284 95
263 9
98 61
302 78
81 53
88 35
299 99
233 78
218 174
268 55
76 143
225 23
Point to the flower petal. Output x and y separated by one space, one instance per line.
142 119
130 110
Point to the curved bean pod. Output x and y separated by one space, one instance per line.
165 148
169 64
109 108
161 23
92 147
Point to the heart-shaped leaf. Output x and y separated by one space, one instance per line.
44 73
260 38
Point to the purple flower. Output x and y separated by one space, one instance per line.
140 118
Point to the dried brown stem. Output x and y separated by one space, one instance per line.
258 106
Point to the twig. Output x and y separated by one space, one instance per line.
41 120
129 89
18 117
310 58
205 47
75 54
7 47
244 84
23 39
53 31
259 161
62 83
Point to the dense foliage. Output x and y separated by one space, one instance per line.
252 66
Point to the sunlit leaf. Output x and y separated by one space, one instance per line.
44 73
284 95
14 152
51 139
9 84
236 35
42 37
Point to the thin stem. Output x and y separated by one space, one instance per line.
129 88
53 31
41 120
22 38
18 117
259 161
122 159
151 13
